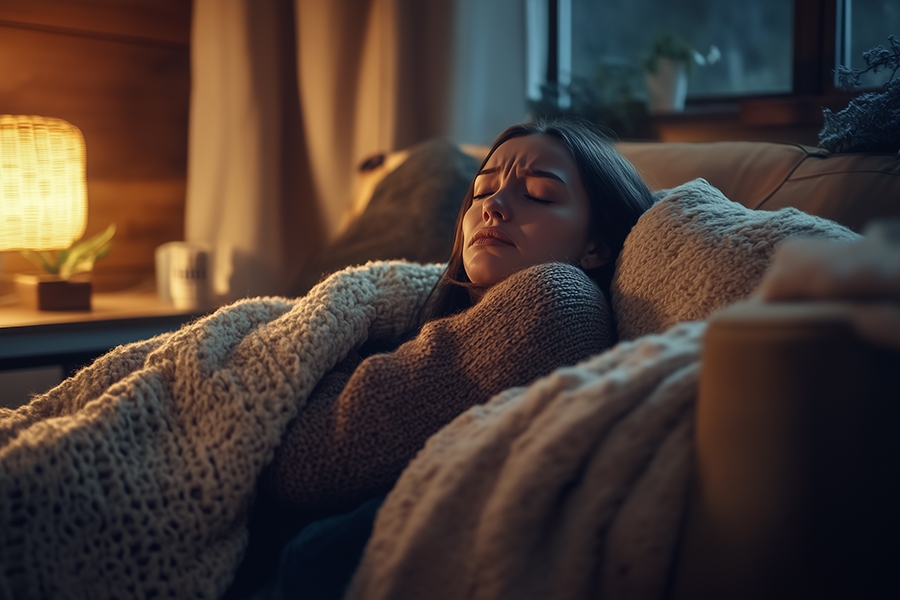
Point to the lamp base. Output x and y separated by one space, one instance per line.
46 292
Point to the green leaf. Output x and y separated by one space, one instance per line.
86 263
39 260
57 259
82 254
77 258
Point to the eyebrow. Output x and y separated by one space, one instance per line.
528 172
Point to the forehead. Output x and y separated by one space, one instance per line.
535 151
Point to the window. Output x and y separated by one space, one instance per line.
754 39
766 47
866 24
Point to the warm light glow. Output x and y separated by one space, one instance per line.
43 193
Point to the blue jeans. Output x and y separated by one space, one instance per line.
320 561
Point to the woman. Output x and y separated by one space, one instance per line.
524 292
591 195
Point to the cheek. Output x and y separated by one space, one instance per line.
575 223
470 221
564 235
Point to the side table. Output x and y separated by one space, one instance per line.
30 338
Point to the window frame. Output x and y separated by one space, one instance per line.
816 31
815 55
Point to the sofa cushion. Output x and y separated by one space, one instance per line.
746 172
411 214
696 251
852 189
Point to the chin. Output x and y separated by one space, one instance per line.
488 266
482 275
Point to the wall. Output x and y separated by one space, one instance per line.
120 71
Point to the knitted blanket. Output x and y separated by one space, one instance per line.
574 486
569 488
133 478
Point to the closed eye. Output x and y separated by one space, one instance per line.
482 195
538 200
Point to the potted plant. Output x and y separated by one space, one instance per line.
60 287
612 98
667 69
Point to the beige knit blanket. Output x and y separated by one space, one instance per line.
574 487
133 478
136 475
569 488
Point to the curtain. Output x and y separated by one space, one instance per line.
288 97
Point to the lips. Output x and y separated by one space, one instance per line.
490 236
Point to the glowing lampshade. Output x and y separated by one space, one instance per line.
43 194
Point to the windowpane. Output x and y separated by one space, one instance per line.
871 22
754 38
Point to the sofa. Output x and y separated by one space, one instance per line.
851 189
154 450
790 496
796 424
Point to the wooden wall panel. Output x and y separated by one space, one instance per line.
122 97
120 71
147 213
157 21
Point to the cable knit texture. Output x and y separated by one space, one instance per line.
570 488
696 251
575 486
338 453
133 478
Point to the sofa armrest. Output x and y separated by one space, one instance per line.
797 455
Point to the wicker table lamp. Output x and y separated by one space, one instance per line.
43 201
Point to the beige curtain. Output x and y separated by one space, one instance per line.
374 76
247 175
289 97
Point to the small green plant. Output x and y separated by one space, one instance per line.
77 258
679 50
610 99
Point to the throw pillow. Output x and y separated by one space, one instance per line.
412 214
696 251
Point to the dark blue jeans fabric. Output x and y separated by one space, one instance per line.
320 561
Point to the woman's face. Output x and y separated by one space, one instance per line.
529 207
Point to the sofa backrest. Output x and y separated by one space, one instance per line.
851 189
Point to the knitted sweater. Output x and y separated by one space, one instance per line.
359 430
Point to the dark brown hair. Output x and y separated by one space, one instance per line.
616 193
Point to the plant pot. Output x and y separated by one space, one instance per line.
48 292
667 87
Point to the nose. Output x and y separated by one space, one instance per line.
494 206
